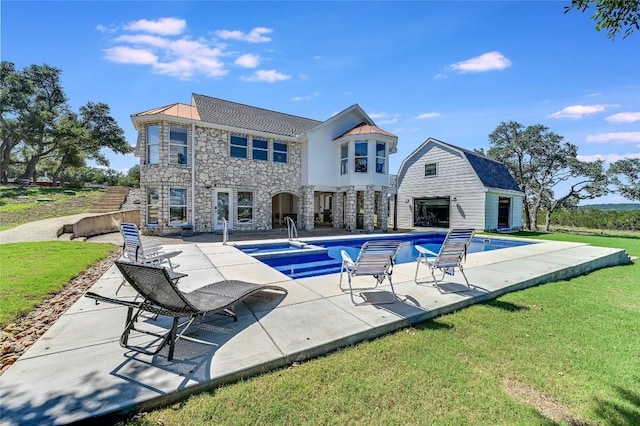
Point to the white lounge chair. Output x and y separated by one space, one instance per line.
147 253
376 259
452 254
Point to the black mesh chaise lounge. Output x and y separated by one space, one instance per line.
375 259
160 295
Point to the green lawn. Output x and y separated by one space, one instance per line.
562 353
30 272
24 204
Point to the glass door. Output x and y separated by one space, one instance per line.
222 208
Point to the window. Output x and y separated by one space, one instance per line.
245 207
153 145
344 159
238 146
280 152
260 149
153 205
380 157
177 205
177 145
431 169
360 157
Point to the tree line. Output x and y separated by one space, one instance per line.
540 159
40 133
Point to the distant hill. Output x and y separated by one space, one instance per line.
627 206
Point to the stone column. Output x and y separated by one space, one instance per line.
350 207
369 207
338 204
383 210
306 222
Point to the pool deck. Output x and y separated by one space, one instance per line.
77 371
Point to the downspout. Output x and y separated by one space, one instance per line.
193 174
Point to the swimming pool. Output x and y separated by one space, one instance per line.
321 257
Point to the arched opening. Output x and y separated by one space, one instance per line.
282 205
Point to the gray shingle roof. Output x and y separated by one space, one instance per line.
227 113
493 174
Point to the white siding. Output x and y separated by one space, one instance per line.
455 179
491 209
321 159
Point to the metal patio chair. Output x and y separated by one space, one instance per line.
452 254
376 259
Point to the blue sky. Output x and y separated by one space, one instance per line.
448 70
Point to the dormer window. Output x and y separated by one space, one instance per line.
361 156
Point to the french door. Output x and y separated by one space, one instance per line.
222 208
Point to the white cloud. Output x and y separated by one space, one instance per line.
248 61
376 115
269 76
486 62
105 29
256 35
305 98
159 43
149 40
579 111
608 158
624 117
428 115
615 137
164 26
388 121
128 55
440 76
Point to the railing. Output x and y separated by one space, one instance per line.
291 228
225 231
393 181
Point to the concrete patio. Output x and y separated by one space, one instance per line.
78 372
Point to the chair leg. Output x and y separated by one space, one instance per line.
465 277
172 338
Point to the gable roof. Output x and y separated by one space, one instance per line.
232 114
492 173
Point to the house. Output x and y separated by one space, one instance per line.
215 161
441 185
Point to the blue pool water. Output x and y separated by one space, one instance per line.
298 262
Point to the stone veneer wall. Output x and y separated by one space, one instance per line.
215 168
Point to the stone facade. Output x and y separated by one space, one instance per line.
215 168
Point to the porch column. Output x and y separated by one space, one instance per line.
306 222
350 207
338 212
383 210
369 207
